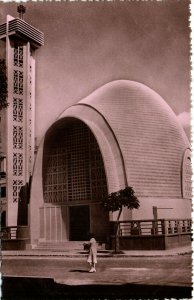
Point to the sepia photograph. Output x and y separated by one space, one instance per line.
95 149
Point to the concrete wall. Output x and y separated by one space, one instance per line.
53 223
36 197
168 208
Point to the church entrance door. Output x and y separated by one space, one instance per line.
79 222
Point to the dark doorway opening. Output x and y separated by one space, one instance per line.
79 221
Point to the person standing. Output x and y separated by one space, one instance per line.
92 255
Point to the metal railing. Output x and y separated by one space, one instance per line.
14 232
126 228
152 227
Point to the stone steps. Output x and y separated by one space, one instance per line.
60 246
64 246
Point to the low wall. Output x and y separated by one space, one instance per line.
15 237
155 242
172 241
17 244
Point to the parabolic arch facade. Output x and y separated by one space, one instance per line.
122 134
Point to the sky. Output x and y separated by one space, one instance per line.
88 44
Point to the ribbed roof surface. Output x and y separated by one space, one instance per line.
151 139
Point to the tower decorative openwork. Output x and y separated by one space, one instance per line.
20 41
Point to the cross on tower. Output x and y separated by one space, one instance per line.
21 10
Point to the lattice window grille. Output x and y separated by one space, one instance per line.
18 82
17 164
17 110
21 56
81 170
56 187
97 172
18 56
17 137
15 81
17 184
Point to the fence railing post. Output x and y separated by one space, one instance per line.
163 225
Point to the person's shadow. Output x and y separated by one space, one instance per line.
80 271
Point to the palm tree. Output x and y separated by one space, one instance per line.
116 201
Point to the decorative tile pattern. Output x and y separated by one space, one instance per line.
17 137
18 164
18 56
18 82
17 184
17 110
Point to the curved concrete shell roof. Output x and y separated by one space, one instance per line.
148 133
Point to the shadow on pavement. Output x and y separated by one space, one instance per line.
41 288
80 271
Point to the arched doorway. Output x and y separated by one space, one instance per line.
74 181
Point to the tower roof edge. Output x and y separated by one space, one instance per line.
19 28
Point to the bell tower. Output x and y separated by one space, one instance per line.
21 40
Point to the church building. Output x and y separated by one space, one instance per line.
123 134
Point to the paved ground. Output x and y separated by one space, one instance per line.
63 275
173 270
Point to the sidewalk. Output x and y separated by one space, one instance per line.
101 253
133 274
